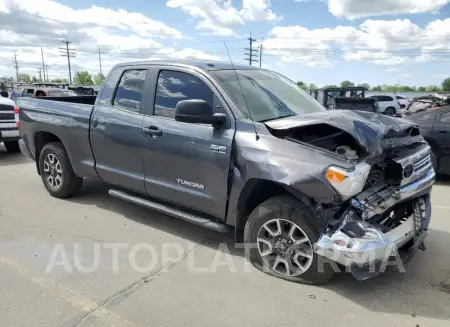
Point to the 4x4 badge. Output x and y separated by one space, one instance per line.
218 148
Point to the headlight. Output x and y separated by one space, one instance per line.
348 183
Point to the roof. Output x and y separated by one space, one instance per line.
205 64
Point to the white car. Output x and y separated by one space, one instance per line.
404 101
388 104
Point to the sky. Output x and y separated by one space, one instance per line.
314 41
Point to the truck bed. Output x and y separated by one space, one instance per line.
67 117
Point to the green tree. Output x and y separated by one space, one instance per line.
433 88
59 80
347 84
24 78
377 88
99 78
312 86
83 78
364 85
34 79
446 85
330 86
422 89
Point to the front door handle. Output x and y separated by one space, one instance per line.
94 122
443 132
152 131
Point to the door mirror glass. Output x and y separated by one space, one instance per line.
197 112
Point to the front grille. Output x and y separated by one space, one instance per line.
422 164
6 112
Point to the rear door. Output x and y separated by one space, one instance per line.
441 130
186 164
116 129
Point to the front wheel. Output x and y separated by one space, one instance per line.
12 146
279 237
390 111
56 171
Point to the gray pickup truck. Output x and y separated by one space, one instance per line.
245 149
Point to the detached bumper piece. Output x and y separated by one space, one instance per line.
369 235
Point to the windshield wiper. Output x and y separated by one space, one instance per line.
279 117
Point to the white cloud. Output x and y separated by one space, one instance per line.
219 16
26 25
391 70
353 9
424 57
280 64
405 75
382 42
257 10
440 76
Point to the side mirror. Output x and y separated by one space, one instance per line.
198 112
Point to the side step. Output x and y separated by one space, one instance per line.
204 222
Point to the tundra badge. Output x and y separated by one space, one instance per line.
218 148
191 184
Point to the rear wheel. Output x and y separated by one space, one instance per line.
389 111
279 237
56 171
12 146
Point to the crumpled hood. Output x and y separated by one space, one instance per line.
366 127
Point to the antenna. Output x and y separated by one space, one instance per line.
243 94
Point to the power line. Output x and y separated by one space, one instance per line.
43 65
16 65
251 52
100 59
69 53
260 52
46 70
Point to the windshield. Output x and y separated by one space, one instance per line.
269 95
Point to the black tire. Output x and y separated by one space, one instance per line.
389 111
286 208
12 146
69 182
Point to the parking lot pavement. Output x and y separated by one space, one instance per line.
193 281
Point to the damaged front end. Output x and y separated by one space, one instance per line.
384 208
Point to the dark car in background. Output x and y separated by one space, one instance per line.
37 91
435 128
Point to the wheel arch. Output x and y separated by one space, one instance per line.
40 140
255 192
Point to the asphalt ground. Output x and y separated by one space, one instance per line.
94 260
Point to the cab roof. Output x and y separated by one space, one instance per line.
205 64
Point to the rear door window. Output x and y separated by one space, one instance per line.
130 89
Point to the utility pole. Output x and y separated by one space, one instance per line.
46 70
16 65
260 52
40 74
251 52
43 65
69 53
100 59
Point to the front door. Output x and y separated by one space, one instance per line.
186 164
116 130
441 130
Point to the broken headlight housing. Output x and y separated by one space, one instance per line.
348 182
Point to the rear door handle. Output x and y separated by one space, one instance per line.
94 122
152 131
443 132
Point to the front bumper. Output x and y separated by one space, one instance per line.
372 245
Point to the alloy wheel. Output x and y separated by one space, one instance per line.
285 247
52 170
